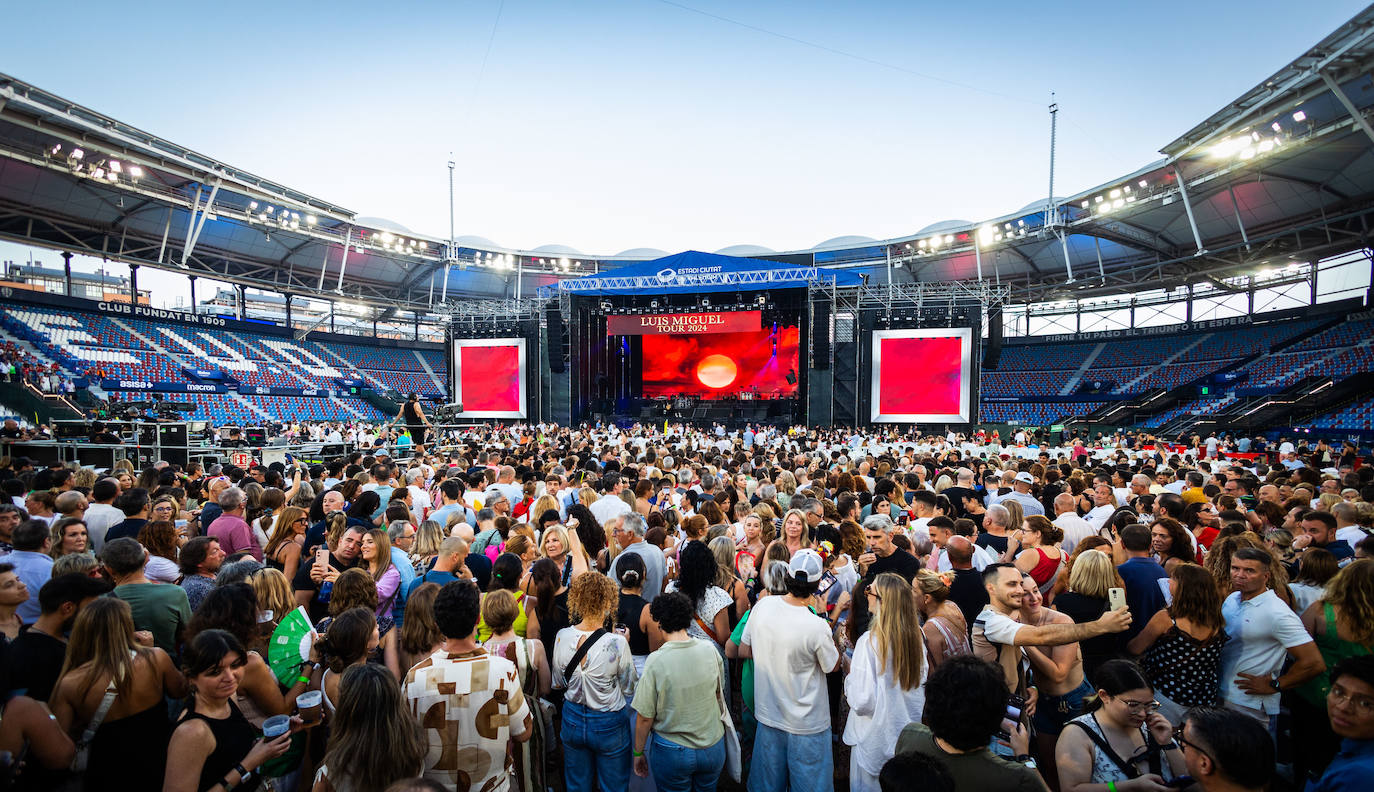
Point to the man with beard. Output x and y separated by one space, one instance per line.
36 655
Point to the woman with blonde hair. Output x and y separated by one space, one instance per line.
787 487
427 540
564 548
69 536
1091 576
884 686
723 548
796 534
103 661
945 628
283 550
274 593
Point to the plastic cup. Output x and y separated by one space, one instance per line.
276 726
309 705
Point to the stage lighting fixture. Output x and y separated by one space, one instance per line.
705 302
253 205
311 219
762 299
653 304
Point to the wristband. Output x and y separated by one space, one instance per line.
243 772
1111 786
638 753
303 679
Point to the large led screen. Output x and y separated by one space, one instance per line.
717 365
489 377
922 376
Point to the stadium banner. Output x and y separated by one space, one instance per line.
261 390
213 375
666 324
151 386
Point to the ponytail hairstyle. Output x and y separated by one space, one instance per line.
630 570
506 571
1113 678
545 578
345 642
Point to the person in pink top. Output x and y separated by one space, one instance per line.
233 533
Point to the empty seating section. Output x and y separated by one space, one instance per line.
1356 416
252 359
1193 407
1034 413
1016 383
1048 357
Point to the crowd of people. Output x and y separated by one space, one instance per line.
535 607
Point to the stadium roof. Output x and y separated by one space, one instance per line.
1284 173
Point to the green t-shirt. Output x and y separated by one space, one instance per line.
746 674
160 609
678 693
977 770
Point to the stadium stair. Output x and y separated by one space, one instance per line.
23 399
439 386
251 407
359 373
1077 377
1126 387
155 346
343 405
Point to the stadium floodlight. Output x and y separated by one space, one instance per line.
55 149
99 173
985 235
135 172
1299 116
115 166
949 239
920 243
253 205
77 154
310 219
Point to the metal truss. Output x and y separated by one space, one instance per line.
670 279
500 310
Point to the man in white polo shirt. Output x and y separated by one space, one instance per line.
1262 631
1075 528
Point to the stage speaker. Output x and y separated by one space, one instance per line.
172 442
993 352
145 434
255 436
820 336
554 318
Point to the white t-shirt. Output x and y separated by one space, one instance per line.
1262 629
1098 516
792 651
608 507
1075 529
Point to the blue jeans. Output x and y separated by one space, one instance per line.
1053 712
677 768
786 762
596 749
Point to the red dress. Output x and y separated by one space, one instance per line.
1044 571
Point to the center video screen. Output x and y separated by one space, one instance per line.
718 365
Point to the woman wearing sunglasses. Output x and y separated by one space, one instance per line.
1123 741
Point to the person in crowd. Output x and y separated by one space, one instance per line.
1342 625
680 699
230 528
1091 576
450 564
213 747
792 652
348 640
1225 751
29 730
1170 543
1350 703
36 655
419 635
354 588
1122 739
159 538
30 566
697 579
200 561
499 611
376 559
102 514
1263 632
468 702
885 679
945 630
1035 550
632 615
284 546
372 713
1141 574
110 695
160 609
69 535
596 671
966 704
882 554
1181 645
1057 672
1315 569
342 552
273 592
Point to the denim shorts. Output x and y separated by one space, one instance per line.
1052 713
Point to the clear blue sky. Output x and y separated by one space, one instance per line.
610 124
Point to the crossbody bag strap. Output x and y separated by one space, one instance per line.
581 653
100 713
705 628
1106 747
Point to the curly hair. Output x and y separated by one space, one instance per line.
698 570
592 595
160 537
1351 594
672 611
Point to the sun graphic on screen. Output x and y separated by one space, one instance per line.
716 371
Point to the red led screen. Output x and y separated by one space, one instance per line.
920 375
716 365
491 378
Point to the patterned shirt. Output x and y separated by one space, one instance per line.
469 705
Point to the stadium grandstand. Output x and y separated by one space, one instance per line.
1225 286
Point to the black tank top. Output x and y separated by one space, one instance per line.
234 738
412 412
627 613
